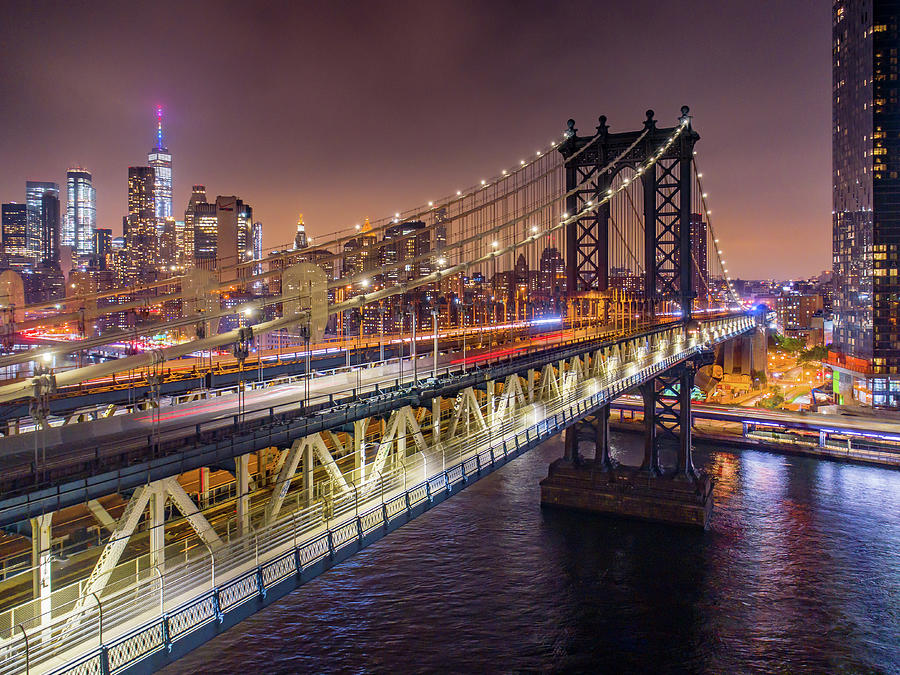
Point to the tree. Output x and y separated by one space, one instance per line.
817 353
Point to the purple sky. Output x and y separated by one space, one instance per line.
345 110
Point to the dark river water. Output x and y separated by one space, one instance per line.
798 573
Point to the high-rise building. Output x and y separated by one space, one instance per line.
414 242
160 160
206 226
234 221
140 234
198 196
866 201
700 257
14 224
50 229
256 238
81 211
300 239
34 191
102 241
361 253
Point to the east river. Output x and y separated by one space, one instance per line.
798 573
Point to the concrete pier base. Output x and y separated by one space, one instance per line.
624 491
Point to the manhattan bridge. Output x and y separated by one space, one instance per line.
172 492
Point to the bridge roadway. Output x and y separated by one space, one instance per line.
159 618
76 463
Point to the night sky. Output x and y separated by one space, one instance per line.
346 110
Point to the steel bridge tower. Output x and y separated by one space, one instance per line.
592 164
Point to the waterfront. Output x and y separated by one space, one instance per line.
800 571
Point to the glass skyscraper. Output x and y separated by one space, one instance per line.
866 201
160 160
81 211
34 192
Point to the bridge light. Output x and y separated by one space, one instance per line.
48 357
430 203
705 195
699 175
538 153
534 228
459 193
248 311
441 262
483 181
357 226
522 162
590 203
494 244
365 283
504 172
396 215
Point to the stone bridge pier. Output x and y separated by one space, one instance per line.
678 494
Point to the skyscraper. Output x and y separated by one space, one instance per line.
198 196
14 224
81 211
866 201
34 191
50 229
140 235
700 257
205 228
300 239
160 160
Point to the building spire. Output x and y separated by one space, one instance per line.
159 130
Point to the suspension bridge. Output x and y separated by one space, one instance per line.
172 491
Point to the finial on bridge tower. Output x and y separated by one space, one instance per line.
650 123
603 127
570 129
685 115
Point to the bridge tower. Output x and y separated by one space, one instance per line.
593 165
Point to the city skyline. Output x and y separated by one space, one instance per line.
278 148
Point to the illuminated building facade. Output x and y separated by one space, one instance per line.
160 160
81 211
14 228
50 229
205 234
198 196
140 234
866 201
700 258
300 239
34 192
